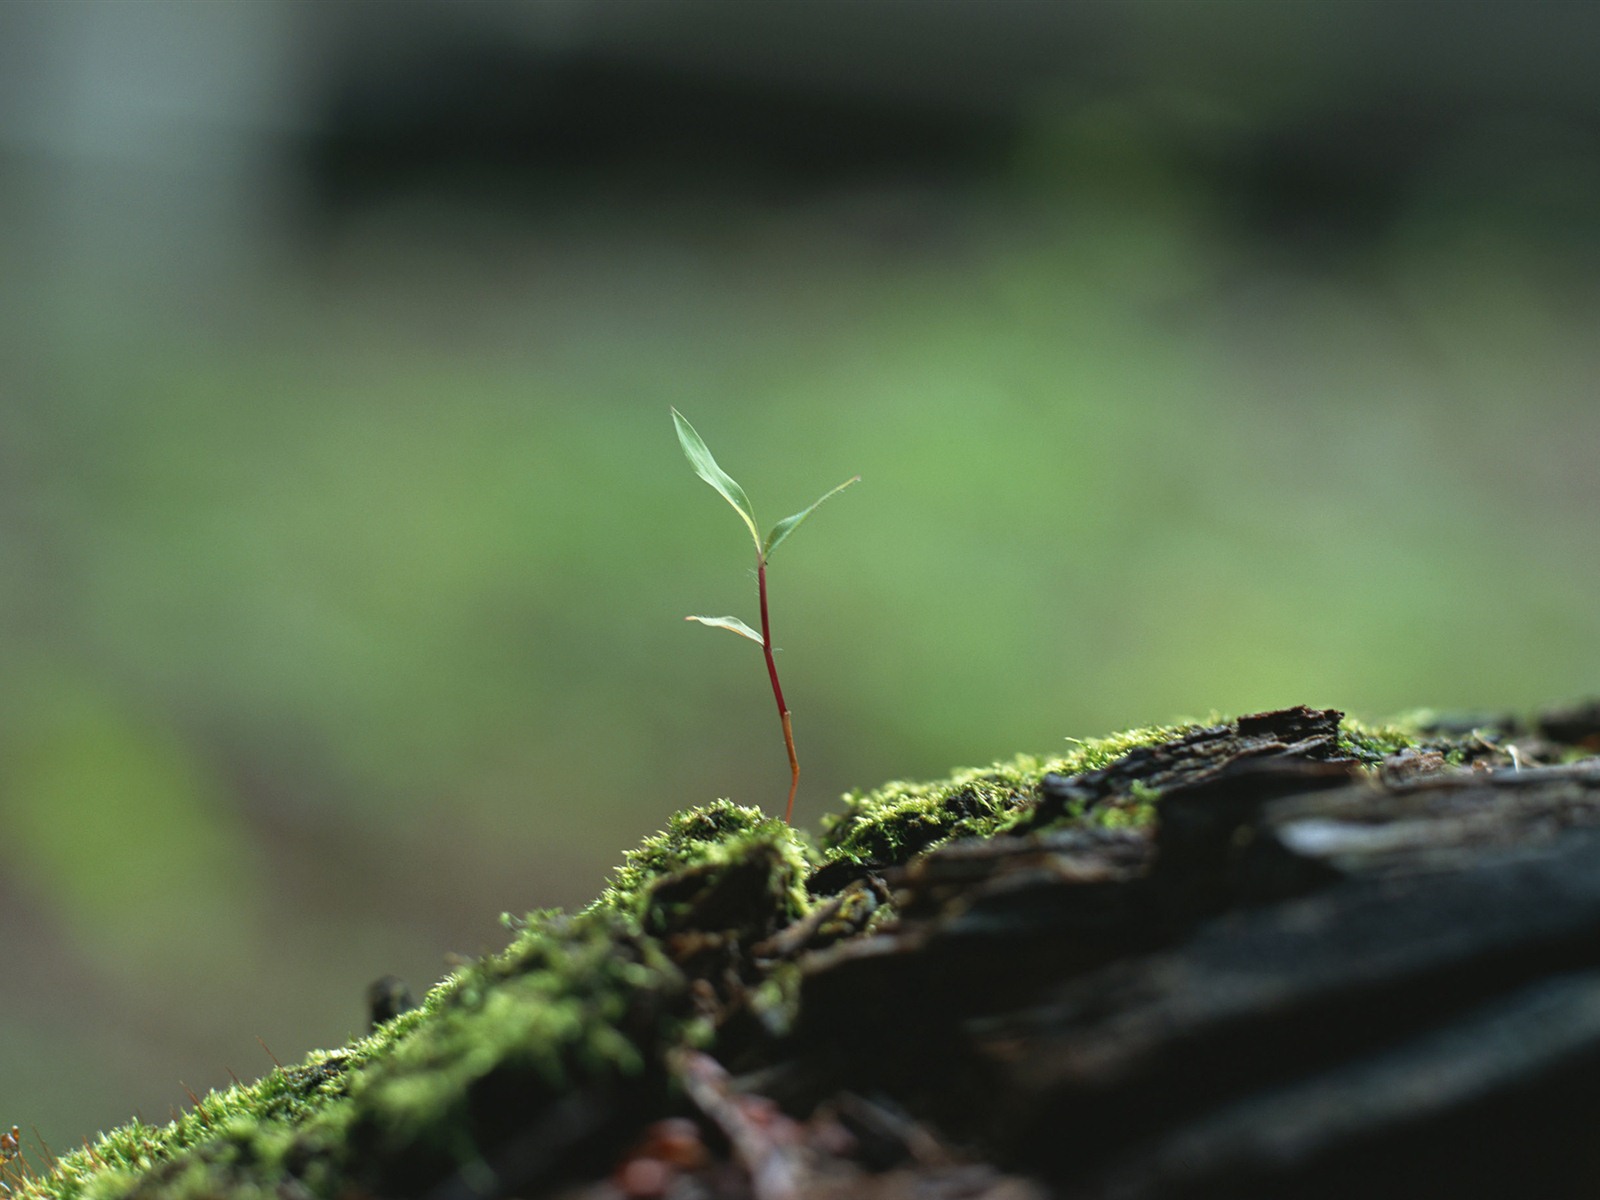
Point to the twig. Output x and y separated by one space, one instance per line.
764 1141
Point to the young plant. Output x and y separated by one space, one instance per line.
706 467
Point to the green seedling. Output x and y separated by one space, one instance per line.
706 467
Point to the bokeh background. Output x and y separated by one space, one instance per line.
1195 356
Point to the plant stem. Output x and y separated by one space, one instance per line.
777 690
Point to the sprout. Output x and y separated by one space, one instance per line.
706 467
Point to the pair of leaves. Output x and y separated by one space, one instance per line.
705 466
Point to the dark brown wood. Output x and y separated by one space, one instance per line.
1307 980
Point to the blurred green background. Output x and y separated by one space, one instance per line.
1204 356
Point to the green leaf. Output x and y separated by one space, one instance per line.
787 526
730 623
706 467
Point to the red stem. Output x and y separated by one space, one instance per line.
777 690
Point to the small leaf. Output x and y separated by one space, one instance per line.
706 467
787 526
730 623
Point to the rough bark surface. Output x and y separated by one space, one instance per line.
1308 979
1263 958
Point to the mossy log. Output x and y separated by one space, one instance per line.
1275 956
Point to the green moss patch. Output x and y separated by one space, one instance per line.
542 1061
890 824
708 841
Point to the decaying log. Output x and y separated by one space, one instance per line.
1309 979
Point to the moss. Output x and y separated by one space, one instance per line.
246 1121
719 834
1458 742
585 1005
890 824
1136 811
572 1004
1371 744
575 1005
553 1002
